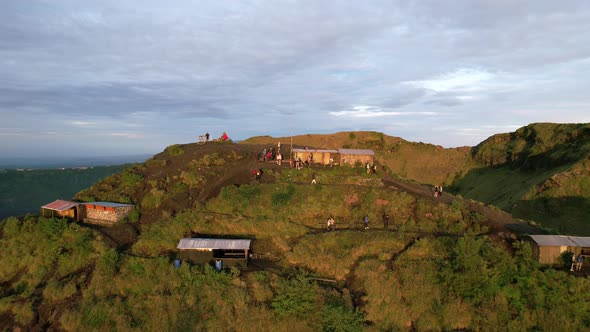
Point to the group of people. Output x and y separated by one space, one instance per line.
577 262
205 138
438 191
371 168
272 154
331 223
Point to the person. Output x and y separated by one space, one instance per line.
435 191
579 262
440 190
224 137
385 220
331 223
313 179
374 169
368 167
331 161
207 137
258 175
366 221
573 262
279 158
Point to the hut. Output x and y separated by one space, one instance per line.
548 248
60 208
106 213
320 156
231 252
354 156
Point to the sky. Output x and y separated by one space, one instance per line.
111 77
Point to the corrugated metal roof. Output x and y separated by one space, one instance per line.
315 150
582 241
107 204
60 205
225 244
554 240
357 151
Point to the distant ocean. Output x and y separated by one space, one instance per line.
69 162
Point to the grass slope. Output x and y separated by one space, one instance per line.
439 266
539 172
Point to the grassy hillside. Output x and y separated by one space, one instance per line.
24 192
441 264
419 162
540 172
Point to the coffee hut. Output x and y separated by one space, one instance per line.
230 252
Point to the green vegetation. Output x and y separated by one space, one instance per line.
441 264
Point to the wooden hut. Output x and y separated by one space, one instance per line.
232 252
106 213
354 156
61 209
548 248
320 156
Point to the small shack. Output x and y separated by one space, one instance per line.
548 248
61 209
106 213
318 156
354 156
232 252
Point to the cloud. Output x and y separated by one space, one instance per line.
464 79
252 67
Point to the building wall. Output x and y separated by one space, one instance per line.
106 215
551 254
352 159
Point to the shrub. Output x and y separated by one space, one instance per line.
283 198
174 150
339 319
295 297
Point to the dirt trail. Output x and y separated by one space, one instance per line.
499 221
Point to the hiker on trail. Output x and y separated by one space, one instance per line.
440 190
331 161
331 223
579 262
374 169
366 221
258 175
264 155
385 220
207 137
573 262
313 179
224 137
368 167
279 158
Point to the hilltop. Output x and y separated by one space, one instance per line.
445 263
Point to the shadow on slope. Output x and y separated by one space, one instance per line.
566 215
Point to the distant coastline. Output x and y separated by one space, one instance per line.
30 163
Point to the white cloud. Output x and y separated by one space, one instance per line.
83 123
464 79
374 112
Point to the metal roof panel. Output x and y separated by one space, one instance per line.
553 240
108 204
60 205
357 151
209 244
